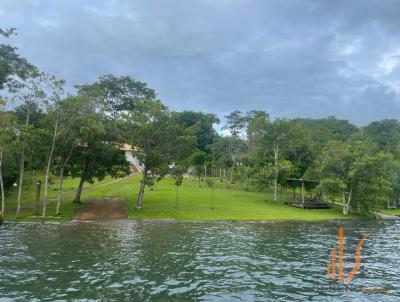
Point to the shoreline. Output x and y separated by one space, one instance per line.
175 221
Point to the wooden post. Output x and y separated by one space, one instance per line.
302 192
37 200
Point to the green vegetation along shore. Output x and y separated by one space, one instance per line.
230 202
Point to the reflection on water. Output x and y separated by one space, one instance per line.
207 261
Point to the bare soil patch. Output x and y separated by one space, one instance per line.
102 208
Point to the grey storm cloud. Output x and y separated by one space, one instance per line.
289 58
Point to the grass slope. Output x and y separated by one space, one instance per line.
28 198
395 212
230 202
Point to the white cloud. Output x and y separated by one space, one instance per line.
388 63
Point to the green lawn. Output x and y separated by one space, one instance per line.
230 202
395 212
29 192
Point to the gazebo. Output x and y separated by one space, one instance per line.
306 202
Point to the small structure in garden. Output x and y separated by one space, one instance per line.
312 200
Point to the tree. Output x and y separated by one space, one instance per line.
385 134
96 160
253 152
54 96
392 167
332 169
95 155
370 183
278 173
116 95
38 133
7 137
356 171
256 125
277 135
158 140
13 67
31 93
290 141
177 174
198 160
235 124
327 129
249 170
219 154
200 125
210 183
70 121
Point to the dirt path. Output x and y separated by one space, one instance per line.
70 194
102 208
379 215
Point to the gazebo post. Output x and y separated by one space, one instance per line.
316 196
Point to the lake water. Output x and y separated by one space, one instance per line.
203 261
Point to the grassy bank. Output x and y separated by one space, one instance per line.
230 202
395 212
29 193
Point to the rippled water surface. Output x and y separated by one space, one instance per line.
213 261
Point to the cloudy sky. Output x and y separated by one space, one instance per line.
291 58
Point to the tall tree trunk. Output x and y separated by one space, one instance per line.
3 198
61 181
276 153
199 174
141 190
231 174
46 181
224 174
77 198
22 166
60 190
21 178
205 170
346 204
